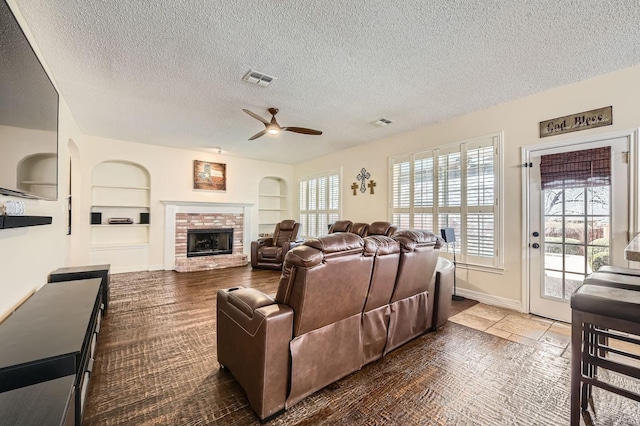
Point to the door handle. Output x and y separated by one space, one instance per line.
535 245
536 234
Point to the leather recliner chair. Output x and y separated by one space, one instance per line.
382 228
360 228
342 301
412 301
269 252
282 350
340 226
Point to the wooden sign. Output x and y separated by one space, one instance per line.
209 176
575 122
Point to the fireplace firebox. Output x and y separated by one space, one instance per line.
209 242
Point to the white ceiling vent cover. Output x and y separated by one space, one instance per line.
259 78
382 122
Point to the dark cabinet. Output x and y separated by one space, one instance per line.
83 272
51 336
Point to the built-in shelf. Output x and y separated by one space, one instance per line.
121 225
120 189
138 188
113 206
119 246
41 183
272 204
7 222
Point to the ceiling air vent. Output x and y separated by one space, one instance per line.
259 78
382 122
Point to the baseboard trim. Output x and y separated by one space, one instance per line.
488 299
125 269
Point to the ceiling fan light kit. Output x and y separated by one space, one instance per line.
272 127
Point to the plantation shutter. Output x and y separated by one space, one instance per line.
401 198
453 186
423 190
480 195
319 203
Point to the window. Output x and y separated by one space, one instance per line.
453 186
319 203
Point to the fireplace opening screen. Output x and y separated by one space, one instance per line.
209 242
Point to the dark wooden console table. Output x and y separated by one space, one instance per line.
51 336
83 272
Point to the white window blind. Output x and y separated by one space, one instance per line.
319 203
453 186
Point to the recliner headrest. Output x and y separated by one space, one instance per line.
410 239
339 242
341 226
287 225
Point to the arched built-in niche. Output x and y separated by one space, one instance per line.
272 204
120 204
37 175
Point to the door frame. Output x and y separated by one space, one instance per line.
525 155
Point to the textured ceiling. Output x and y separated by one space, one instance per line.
169 72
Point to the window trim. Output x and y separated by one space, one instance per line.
459 146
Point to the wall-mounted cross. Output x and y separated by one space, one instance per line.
371 185
363 176
355 188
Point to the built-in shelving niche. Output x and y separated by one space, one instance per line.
273 205
120 189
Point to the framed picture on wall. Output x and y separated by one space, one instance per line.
209 176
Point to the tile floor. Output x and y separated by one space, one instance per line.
540 333
537 332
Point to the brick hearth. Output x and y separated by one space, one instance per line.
186 221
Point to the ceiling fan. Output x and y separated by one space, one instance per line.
272 127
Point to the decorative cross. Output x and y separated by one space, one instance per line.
363 176
371 185
354 187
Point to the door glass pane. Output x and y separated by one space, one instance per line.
552 284
597 256
571 283
574 230
576 237
574 201
574 260
553 256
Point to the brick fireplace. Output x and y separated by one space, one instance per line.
180 218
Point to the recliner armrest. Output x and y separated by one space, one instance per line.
253 335
248 300
265 241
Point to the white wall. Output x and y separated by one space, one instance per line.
28 255
520 122
171 172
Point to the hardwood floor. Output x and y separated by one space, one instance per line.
156 365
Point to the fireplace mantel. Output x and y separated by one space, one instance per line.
172 208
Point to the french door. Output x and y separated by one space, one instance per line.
575 225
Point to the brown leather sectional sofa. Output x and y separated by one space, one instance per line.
343 301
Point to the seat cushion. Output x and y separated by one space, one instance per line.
270 252
607 301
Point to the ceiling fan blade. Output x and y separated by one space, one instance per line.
302 130
257 135
256 116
